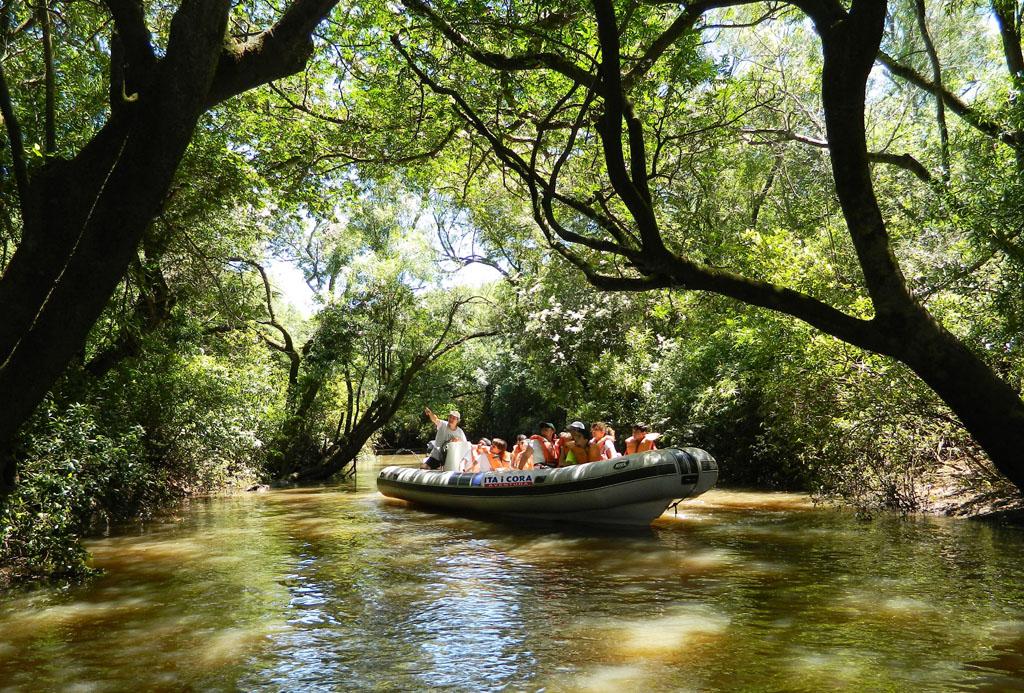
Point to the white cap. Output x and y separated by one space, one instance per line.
454 413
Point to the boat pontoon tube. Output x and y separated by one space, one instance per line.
630 490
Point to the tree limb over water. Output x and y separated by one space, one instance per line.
616 237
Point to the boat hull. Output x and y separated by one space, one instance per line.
631 490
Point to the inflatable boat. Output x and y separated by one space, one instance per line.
630 490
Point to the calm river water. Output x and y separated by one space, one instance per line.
340 589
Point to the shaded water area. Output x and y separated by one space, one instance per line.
341 589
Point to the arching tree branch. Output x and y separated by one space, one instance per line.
904 161
275 53
969 114
286 346
499 61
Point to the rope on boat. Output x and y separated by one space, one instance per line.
675 507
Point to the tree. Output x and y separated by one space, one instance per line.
83 217
594 144
383 325
389 356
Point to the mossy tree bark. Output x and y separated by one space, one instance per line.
83 217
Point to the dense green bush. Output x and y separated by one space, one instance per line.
73 474
156 429
206 416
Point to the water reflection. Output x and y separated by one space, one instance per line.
338 589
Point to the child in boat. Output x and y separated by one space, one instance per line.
539 450
601 446
473 462
563 446
642 439
521 445
500 458
490 455
576 449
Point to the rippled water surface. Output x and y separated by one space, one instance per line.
340 589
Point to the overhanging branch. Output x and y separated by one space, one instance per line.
288 346
500 61
904 161
631 190
970 115
690 275
278 52
683 23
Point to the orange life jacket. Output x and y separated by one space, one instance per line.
547 446
643 445
501 460
596 449
576 454
558 447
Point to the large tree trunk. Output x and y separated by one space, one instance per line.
990 409
344 450
84 218
337 458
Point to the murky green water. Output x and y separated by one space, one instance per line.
339 589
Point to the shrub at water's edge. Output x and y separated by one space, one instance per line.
170 433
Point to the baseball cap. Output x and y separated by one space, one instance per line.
547 424
578 424
454 413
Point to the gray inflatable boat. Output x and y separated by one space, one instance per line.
631 490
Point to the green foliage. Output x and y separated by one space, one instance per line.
206 415
74 473
364 181
153 431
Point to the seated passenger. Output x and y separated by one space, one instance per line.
563 448
601 446
577 448
521 445
499 456
478 460
539 450
641 440
490 456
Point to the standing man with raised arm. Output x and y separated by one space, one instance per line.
446 431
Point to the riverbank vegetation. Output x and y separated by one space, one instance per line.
241 243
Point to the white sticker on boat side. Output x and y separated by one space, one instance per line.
495 481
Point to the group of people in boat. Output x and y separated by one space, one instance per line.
542 449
